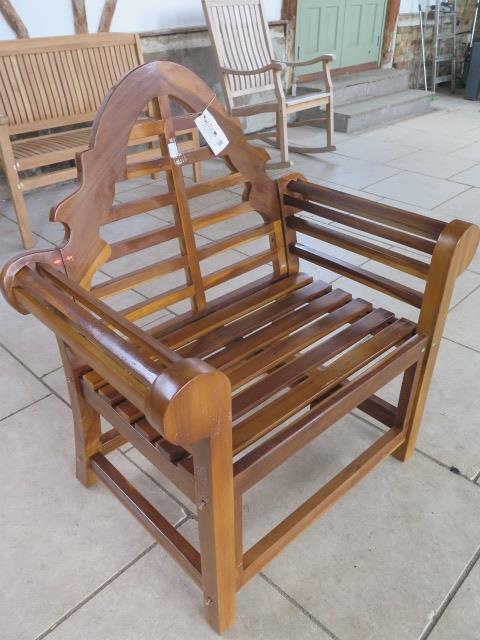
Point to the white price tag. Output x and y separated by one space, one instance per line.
174 152
210 130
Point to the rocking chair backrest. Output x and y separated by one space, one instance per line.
241 40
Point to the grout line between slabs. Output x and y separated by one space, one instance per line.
450 596
440 463
104 585
30 404
95 592
298 606
37 377
474 290
460 344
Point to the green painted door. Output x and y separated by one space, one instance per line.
319 30
350 29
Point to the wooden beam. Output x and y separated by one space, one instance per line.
289 13
107 15
13 19
389 32
79 16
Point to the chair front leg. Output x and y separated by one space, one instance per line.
212 459
86 420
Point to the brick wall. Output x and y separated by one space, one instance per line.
408 53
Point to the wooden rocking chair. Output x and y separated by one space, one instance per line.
241 40
222 395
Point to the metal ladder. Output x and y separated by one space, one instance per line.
440 35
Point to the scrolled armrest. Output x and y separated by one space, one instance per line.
185 399
189 401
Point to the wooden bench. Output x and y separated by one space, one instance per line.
56 83
264 360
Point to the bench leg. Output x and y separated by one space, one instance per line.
16 193
86 420
212 460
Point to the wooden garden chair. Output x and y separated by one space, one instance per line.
224 393
243 49
50 91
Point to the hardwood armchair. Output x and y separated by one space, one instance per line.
224 393
244 53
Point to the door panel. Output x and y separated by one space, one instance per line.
319 30
350 29
362 34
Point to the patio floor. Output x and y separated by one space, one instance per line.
397 559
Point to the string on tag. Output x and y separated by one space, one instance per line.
214 96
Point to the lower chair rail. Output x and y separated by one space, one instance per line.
280 536
164 532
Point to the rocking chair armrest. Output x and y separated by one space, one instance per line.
273 66
327 58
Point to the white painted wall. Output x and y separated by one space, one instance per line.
411 6
54 17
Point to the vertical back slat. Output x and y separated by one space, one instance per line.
242 41
47 79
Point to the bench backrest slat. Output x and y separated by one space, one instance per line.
48 82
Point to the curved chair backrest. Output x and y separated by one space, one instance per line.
91 208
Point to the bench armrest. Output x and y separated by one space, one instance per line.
183 398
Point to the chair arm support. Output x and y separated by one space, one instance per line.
273 66
189 401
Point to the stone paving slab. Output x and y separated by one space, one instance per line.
60 541
461 619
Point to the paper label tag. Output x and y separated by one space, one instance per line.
174 152
210 130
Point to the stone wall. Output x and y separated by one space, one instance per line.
408 52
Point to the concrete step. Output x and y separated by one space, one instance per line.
353 87
380 110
